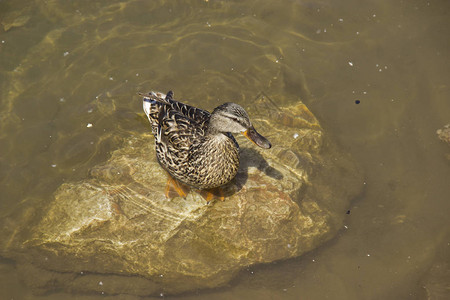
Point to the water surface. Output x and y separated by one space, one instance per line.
70 70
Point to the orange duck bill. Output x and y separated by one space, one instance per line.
256 138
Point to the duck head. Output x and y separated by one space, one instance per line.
231 117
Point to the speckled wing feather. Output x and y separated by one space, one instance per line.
174 121
177 128
180 129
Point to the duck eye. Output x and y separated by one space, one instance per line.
235 120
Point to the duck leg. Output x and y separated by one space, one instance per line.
180 189
209 194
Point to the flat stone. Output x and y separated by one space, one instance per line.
115 232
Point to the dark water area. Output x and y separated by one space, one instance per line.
375 73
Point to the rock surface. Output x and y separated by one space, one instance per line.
115 232
444 135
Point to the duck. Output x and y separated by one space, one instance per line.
197 148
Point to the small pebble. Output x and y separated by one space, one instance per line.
89 125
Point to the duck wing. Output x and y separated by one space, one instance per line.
175 125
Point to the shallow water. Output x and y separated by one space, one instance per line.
67 64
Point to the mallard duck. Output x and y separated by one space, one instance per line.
194 146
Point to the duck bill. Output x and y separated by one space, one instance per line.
256 138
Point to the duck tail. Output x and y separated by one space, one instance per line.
152 103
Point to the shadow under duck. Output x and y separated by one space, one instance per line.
194 146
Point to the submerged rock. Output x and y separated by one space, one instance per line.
115 232
444 135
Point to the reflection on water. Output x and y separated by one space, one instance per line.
69 72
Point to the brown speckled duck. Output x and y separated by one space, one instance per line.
196 147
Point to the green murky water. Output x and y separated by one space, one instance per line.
70 70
